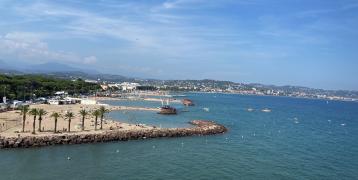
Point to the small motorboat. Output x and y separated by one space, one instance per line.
266 110
250 109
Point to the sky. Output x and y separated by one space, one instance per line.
310 43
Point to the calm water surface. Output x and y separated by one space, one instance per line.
299 139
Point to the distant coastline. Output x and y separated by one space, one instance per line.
296 97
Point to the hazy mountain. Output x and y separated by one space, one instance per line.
5 66
49 67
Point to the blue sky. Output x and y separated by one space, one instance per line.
283 42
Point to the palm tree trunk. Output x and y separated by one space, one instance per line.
40 124
55 125
95 124
23 123
34 125
101 121
83 123
69 124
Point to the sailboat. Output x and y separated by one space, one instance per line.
167 109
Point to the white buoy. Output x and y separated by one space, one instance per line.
117 151
68 158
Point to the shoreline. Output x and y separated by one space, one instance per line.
243 94
113 130
264 95
201 127
172 100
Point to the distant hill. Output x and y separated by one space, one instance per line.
52 67
49 67
5 66
92 76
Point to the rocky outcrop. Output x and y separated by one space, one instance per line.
187 102
201 128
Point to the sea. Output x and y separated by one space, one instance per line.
298 139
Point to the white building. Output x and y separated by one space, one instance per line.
54 102
91 81
16 104
126 86
61 93
114 85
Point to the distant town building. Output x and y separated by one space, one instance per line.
126 86
91 81
61 93
16 104
104 87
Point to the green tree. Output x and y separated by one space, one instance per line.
69 115
41 113
83 113
34 112
102 111
96 113
55 115
24 111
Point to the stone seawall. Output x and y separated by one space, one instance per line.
201 128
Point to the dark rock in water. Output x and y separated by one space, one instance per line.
202 127
187 102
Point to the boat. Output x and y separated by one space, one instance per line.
250 109
266 110
188 102
206 109
166 109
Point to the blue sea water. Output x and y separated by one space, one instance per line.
298 139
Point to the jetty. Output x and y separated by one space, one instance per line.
200 128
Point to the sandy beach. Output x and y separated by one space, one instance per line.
13 119
113 130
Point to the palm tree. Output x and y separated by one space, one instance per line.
102 111
96 113
34 112
69 115
41 113
83 113
55 115
24 111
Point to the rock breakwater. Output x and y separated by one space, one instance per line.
201 127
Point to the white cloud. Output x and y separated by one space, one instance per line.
30 46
